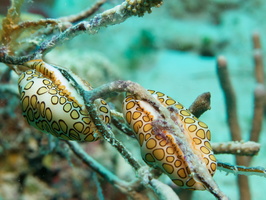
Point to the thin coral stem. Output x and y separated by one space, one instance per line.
115 15
96 180
32 24
119 122
232 120
97 167
83 14
122 127
201 104
259 93
162 190
236 148
123 186
230 98
108 135
15 60
258 62
259 99
256 40
62 21
242 170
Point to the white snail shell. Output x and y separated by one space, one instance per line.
161 150
51 104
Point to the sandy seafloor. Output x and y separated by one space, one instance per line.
183 75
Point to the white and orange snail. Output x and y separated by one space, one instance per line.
161 150
51 103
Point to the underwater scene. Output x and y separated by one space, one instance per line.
134 99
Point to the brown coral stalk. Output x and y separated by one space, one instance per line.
201 104
230 98
258 62
258 58
259 99
259 93
232 120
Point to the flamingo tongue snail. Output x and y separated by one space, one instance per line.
161 150
51 103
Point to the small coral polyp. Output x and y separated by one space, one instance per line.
139 7
51 103
160 149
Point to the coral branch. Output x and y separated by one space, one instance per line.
201 104
256 40
107 90
62 21
122 126
232 120
260 92
15 60
125 187
98 186
163 191
83 14
237 148
258 58
108 135
31 24
230 98
115 15
97 167
109 17
241 170
259 100
13 17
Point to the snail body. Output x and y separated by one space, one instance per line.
161 150
52 104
